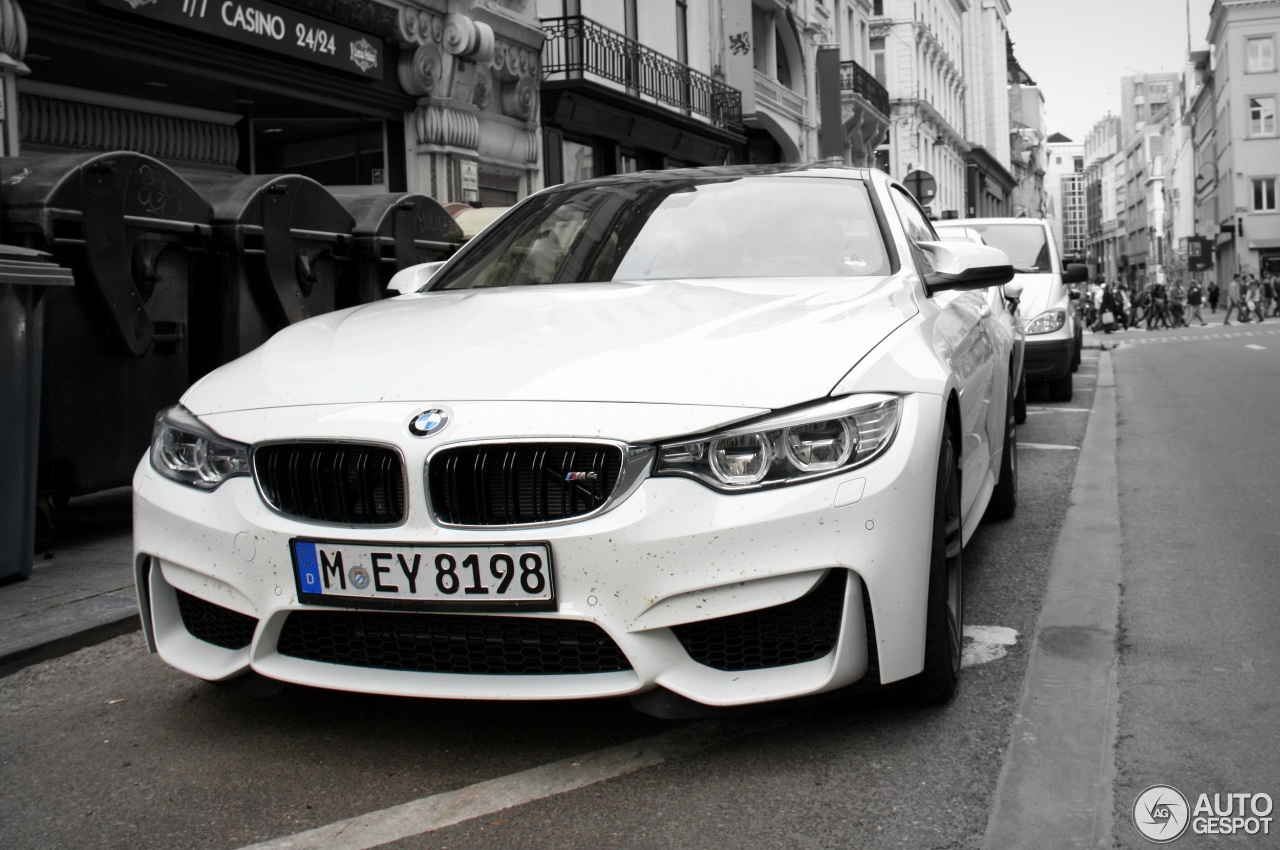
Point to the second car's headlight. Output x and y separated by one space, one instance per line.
798 446
1047 322
184 450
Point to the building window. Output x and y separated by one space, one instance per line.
877 59
579 161
1264 194
1260 55
1262 116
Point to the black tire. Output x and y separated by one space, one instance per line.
1020 402
944 626
1060 389
1075 353
1004 498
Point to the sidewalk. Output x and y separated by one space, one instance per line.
80 592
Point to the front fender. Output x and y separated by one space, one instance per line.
911 359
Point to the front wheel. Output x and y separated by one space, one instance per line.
944 626
1020 402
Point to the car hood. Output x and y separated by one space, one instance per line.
761 343
1039 293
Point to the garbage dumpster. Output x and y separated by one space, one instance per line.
473 220
279 245
25 277
392 232
115 343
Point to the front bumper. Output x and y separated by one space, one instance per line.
1048 359
676 587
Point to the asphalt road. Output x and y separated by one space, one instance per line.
1199 466
111 748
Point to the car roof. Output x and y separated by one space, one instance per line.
965 222
967 232
722 171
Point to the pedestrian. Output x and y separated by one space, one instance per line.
1125 308
1177 304
1108 310
1159 314
1268 296
1213 296
1253 298
1194 296
1233 301
1141 308
1094 310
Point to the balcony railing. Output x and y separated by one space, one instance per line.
576 45
855 78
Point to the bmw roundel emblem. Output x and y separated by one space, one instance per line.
428 422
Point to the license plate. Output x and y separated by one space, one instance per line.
516 575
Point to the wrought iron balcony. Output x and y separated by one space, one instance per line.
855 78
577 45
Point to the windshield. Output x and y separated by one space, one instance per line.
1024 243
679 228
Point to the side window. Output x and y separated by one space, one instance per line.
913 218
917 225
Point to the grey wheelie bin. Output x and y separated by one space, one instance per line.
280 243
25 278
115 343
391 232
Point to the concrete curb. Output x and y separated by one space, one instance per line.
63 629
1056 787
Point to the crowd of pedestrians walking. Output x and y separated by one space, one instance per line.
1156 306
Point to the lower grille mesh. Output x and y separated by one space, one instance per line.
799 631
215 624
450 643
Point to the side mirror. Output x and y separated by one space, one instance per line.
1013 292
414 278
964 265
1075 273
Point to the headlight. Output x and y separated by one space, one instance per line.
1047 322
184 450
799 446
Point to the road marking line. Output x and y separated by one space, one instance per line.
440 810
1048 446
1257 347
1056 409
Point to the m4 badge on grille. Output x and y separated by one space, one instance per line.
581 476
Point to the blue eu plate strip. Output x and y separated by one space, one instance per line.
308 567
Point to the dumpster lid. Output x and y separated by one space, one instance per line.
240 199
149 189
472 221
375 215
28 267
